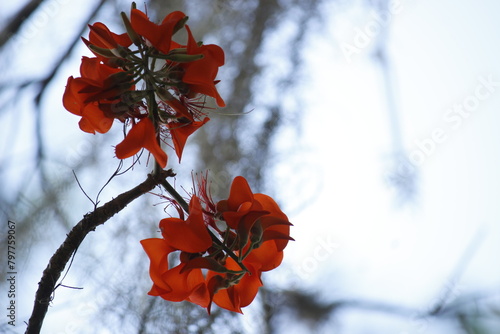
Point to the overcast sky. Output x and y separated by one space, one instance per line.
446 70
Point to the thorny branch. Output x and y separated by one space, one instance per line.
90 221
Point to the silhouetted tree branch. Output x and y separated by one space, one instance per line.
90 221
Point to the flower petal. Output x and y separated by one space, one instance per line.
102 37
160 36
95 118
241 294
142 135
70 101
240 193
181 131
157 251
200 74
190 235
267 256
181 285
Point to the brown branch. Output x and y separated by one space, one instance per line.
90 221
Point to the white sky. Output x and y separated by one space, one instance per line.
439 53
351 240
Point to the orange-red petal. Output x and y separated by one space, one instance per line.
142 135
181 131
241 294
173 284
200 74
102 37
181 285
276 220
95 118
159 36
191 235
157 251
266 256
240 193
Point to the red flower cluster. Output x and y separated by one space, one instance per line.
223 248
175 78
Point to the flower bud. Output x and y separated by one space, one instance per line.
130 31
134 96
119 78
175 75
120 51
101 51
164 94
178 51
256 233
180 24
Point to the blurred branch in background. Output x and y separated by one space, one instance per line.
403 174
240 140
467 310
41 199
16 21
318 315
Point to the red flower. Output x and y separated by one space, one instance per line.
181 131
240 202
99 85
190 235
106 88
142 135
102 82
160 36
93 118
232 261
102 37
263 229
230 294
200 74
171 283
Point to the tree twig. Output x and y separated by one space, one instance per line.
75 237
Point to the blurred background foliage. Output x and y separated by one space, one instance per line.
264 42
